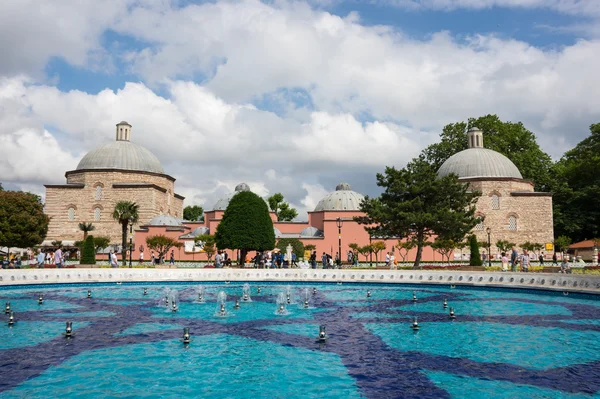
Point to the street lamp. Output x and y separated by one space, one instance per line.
130 240
339 223
489 233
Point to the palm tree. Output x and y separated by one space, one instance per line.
86 228
125 212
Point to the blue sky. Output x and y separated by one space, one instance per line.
310 93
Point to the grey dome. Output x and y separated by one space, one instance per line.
121 154
342 199
479 162
222 203
242 187
164 220
311 232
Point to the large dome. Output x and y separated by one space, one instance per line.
479 162
342 199
121 155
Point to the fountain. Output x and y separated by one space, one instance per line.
11 318
451 315
186 336
414 298
89 293
40 299
246 293
258 290
288 295
322 335
200 294
145 291
69 330
174 300
7 308
445 303
281 301
306 296
415 325
221 299
368 293
237 304
314 291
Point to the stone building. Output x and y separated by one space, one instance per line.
113 172
509 205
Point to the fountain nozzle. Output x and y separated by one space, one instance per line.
288 299
237 304
41 299
7 308
145 291
414 298
258 290
222 310
305 304
322 335
415 324
314 291
69 330
445 303
174 307
368 293
451 315
186 336
11 318
89 293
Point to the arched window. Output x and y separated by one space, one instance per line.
98 193
71 213
512 222
495 201
97 214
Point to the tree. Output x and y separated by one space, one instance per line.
406 246
23 223
246 225
193 213
444 247
310 247
354 247
376 248
124 213
505 245
101 242
562 243
365 251
417 205
208 244
281 208
162 244
575 196
511 139
88 253
297 246
56 243
86 228
531 246
475 255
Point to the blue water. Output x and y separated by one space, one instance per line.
503 344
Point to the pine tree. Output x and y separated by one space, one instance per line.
475 255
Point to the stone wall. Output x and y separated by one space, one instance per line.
533 213
153 193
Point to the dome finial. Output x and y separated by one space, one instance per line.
475 138
123 131
343 187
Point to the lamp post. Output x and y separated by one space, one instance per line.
130 240
339 223
489 233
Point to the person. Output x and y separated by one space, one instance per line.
514 259
294 259
313 260
541 259
152 258
387 259
58 258
172 260
392 261
114 262
350 257
525 261
324 260
218 259
564 266
504 262
338 260
554 259
40 259
141 257
356 259
484 257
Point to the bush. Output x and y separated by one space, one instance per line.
88 255
475 255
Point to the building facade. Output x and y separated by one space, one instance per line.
117 171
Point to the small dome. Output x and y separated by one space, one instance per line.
242 187
342 199
311 232
479 162
121 155
198 231
164 220
222 203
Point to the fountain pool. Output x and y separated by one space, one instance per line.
502 343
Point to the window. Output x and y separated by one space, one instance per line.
98 193
512 222
477 140
479 226
71 213
495 201
96 214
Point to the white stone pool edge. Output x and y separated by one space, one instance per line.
546 281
